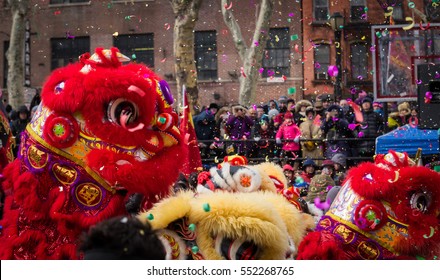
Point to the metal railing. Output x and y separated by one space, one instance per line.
278 148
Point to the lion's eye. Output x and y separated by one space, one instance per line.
420 201
123 112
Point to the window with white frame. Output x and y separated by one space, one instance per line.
276 59
138 47
359 61
322 61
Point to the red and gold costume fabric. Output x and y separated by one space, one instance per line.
389 209
104 130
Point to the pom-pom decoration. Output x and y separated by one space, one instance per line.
60 131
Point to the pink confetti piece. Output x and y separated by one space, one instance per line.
228 7
321 205
333 71
242 72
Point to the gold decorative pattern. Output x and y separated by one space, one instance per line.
88 194
64 174
37 158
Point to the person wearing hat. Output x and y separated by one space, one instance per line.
327 101
263 138
239 127
290 133
282 104
340 166
377 107
317 193
300 111
328 168
205 127
319 110
371 127
289 172
310 132
335 130
309 170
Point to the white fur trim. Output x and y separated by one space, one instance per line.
203 189
218 179
315 211
226 173
291 251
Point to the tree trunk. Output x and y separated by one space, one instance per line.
186 13
15 54
251 56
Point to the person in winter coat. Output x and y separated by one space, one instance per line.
309 170
19 125
300 111
335 128
205 128
239 126
290 133
263 137
310 129
347 110
371 127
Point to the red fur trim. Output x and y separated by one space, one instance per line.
320 246
413 180
378 187
71 99
12 170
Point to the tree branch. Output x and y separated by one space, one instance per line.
262 28
233 26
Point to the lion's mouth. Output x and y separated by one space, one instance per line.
139 154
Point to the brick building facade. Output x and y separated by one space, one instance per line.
58 31
302 42
356 40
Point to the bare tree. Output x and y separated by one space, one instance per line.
251 55
186 14
15 54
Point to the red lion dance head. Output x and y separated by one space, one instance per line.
389 209
103 131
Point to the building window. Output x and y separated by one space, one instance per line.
68 1
65 51
276 60
5 64
359 61
205 51
322 61
320 10
357 10
138 47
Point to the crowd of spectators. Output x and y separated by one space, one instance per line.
288 131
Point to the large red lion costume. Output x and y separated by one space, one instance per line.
389 209
103 131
